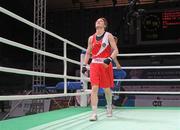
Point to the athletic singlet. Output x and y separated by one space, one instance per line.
101 48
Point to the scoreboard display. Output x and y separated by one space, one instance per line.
159 27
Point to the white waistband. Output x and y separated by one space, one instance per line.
97 60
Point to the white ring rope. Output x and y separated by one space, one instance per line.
149 67
146 67
20 71
33 73
5 11
141 92
42 96
11 14
27 72
18 45
154 80
150 54
146 93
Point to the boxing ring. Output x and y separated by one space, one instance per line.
77 118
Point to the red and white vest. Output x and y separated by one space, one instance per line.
101 48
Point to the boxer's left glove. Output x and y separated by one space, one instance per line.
108 60
84 69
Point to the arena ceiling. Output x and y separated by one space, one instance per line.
85 4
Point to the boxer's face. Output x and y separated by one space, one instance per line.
100 23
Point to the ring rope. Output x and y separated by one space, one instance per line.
149 67
13 15
18 45
40 96
7 12
146 67
141 92
145 93
27 72
149 80
34 73
150 54
20 71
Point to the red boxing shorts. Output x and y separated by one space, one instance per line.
101 76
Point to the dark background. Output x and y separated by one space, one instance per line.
75 25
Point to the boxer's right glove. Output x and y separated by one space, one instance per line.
84 69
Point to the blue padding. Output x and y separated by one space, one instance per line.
70 85
51 87
119 74
101 91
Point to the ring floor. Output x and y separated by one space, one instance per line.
77 118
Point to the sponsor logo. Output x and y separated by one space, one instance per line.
157 103
104 45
